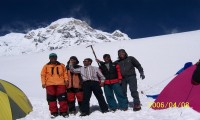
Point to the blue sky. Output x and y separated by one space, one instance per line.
137 18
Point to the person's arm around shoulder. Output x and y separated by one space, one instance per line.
102 78
72 69
116 62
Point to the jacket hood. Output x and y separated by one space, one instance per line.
122 50
74 58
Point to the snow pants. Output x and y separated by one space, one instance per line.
54 93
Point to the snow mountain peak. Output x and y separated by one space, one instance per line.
62 33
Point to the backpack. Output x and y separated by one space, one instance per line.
196 75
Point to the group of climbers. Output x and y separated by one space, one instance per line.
65 84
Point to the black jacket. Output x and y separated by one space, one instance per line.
111 73
127 66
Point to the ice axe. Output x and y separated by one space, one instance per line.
93 52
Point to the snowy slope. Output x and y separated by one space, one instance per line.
59 34
161 57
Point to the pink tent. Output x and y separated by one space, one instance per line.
180 93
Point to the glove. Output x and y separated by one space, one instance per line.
142 76
43 86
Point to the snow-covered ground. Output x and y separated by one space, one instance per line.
161 57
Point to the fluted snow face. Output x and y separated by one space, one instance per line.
59 34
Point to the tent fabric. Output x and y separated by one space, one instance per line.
180 92
14 103
5 113
187 65
152 96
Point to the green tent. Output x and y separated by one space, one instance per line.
14 104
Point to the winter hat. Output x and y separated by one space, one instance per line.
106 55
74 58
52 55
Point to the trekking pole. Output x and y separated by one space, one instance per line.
93 53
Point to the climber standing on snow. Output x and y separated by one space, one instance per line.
112 86
127 66
74 89
91 83
54 79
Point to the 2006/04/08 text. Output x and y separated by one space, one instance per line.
160 105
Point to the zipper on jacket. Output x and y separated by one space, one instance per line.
57 70
52 70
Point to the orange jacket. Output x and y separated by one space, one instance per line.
54 74
74 80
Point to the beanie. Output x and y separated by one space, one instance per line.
52 55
